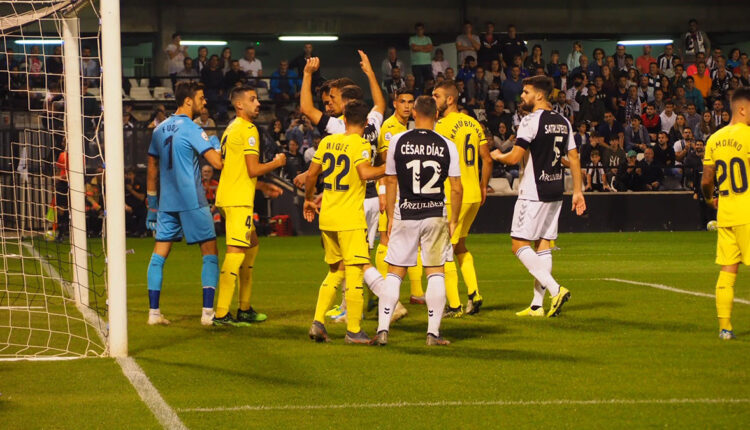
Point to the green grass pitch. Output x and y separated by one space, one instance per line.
619 356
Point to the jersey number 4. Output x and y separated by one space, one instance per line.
723 171
343 161
416 168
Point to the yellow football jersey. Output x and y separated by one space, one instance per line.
390 128
468 135
343 190
729 151
236 187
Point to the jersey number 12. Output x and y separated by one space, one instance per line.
416 167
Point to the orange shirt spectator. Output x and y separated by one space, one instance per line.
643 62
703 80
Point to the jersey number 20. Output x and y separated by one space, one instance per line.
416 185
730 171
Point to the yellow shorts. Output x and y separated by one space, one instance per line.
239 225
383 221
349 246
733 245
465 220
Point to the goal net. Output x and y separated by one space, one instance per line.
53 289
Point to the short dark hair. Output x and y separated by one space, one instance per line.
326 86
401 92
186 90
594 152
741 94
663 132
238 91
692 20
341 83
448 86
247 48
545 84
419 24
175 35
426 105
352 92
355 113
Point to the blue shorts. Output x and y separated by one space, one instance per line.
197 225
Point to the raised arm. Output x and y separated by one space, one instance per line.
306 105
377 95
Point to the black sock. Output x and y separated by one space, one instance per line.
533 308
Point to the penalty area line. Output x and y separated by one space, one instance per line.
672 289
467 403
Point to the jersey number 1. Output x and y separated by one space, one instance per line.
168 144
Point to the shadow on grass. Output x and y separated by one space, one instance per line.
484 354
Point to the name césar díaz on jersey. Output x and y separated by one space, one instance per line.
420 149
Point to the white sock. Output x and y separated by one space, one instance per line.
538 269
208 311
374 281
435 298
388 301
154 312
539 290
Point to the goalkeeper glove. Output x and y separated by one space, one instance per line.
153 209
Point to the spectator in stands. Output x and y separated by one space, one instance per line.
693 95
35 68
598 61
251 65
467 43
389 62
503 137
553 66
295 162
535 60
705 127
632 105
693 166
702 80
478 89
310 152
128 132
609 83
303 132
718 108
667 117
54 65
495 74
683 146
512 87
664 156
651 121
692 69
615 156
595 142
467 72
512 46
573 60
620 59
411 85
725 118
498 115
94 204
563 107
695 42
463 95
135 204
610 128
591 108
284 83
733 61
225 61
628 178
395 83
277 134
721 80
233 77
659 102
489 49
584 69
643 63
675 133
562 81
206 122
188 72
596 176
159 116
576 92
630 65
633 78
744 77
652 175
665 61
636 135
213 81
450 74
582 137
654 77
201 60
176 54
439 63
420 49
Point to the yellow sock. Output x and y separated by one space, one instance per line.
451 284
355 299
380 263
246 277
415 276
724 298
327 293
466 262
229 273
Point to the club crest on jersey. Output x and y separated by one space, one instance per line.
251 141
366 155
388 136
204 135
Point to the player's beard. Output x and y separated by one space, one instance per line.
527 107
442 108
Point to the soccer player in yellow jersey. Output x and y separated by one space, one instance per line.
240 149
727 160
468 135
343 161
403 102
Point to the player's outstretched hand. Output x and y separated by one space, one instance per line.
280 159
579 204
365 62
299 180
310 209
312 65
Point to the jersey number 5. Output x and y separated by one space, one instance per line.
343 160
416 185
558 152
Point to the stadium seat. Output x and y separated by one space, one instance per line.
144 82
262 94
162 93
501 186
140 93
134 82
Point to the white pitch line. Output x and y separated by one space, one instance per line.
672 289
149 394
468 403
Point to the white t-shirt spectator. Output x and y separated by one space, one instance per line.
439 67
309 154
667 121
464 40
176 63
251 67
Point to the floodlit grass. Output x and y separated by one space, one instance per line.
613 342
